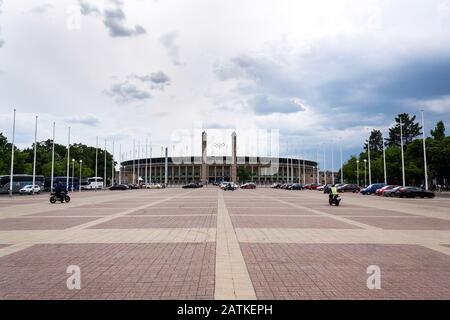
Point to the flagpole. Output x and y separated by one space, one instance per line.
384 160
53 159
34 157
425 167
403 158
68 160
12 155
96 162
112 166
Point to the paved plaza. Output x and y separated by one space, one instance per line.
211 244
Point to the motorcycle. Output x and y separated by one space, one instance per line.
334 200
63 198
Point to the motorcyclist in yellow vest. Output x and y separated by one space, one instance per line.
333 192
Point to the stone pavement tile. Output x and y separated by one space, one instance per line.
78 212
339 271
289 222
269 211
174 211
407 223
110 271
3 245
142 222
50 223
183 204
256 204
363 212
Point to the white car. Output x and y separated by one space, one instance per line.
153 186
28 189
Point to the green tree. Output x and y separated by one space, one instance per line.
376 141
439 131
410 128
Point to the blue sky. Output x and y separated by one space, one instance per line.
322 72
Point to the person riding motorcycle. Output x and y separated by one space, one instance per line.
58 190
333 192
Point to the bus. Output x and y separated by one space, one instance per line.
19 181
63 180
93 183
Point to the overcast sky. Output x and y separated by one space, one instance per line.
314 70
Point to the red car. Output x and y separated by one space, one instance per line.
249 185
381 191
313 186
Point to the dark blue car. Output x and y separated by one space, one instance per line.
372 188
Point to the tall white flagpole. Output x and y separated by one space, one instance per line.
96 162
384 160
146 161
332 162
403 158
34 157
12 155
112 166
53 159
104 169
342 165
424 154
68 160
120 163
368 155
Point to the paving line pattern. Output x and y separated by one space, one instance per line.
232 277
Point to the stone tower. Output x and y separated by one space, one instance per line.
234 157
204 169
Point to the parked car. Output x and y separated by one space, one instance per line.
133 186
192 185
314 186
28 189
372 188
119 187
322 187
229 186
349 188
153 186
412 192
285 186
380 192
390 192
296 186
249 185
276 185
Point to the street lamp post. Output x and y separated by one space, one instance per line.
79 185
73 171
357 172
424 154
365 172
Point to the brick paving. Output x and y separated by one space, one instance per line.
206 244
142 222
332 271
41 224
288 222
412 223
110 271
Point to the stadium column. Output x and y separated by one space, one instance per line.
234 157
204 157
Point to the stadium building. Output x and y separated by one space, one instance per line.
208 169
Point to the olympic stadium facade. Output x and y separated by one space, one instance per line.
209 169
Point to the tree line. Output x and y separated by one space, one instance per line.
437 150
23 159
